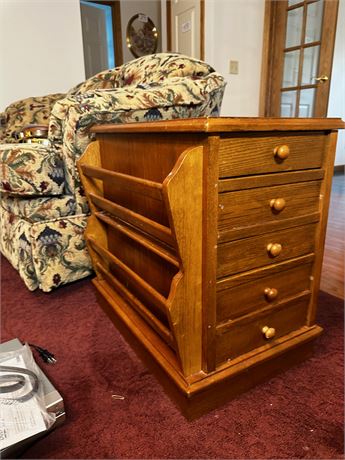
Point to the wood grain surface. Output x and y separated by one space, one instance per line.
224 125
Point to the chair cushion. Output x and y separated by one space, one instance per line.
30 169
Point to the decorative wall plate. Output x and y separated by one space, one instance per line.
142 35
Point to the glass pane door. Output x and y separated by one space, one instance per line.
301 58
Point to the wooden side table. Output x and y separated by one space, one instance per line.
207 239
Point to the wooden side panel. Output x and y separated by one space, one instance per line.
209 241
91 185
322 227
91 156
183 191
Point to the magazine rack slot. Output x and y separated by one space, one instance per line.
125 181
156 298
152 244
143 223
139 307
155 268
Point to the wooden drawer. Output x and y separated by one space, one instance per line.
255 154
267 204
245 293
244 335
248 253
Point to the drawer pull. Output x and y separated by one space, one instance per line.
278 204
270 294
282 152
274 249
269 332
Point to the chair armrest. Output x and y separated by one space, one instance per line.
32 110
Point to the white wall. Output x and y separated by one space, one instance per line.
152 8
336 105
234 31
41 48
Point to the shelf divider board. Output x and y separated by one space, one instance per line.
125 181
157 299
153 246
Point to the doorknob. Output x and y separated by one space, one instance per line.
321 79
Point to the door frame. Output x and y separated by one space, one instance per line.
202 28
274 22
117 29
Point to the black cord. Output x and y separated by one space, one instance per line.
19 381
46 355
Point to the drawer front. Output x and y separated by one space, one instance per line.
266 204
247 334
260 291
270 248
242 156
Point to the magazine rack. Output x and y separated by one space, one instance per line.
207 239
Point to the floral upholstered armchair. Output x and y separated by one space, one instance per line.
43 208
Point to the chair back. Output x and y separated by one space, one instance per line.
158 67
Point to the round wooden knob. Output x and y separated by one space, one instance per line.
274 249
269 332
270 294
278 204
282 151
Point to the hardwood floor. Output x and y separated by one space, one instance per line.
332 278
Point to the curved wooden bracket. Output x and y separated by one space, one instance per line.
183 195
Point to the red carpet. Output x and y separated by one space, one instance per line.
296 415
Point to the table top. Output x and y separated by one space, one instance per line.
225 124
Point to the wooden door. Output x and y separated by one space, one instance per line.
101 29
299 42
95 39
186 27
